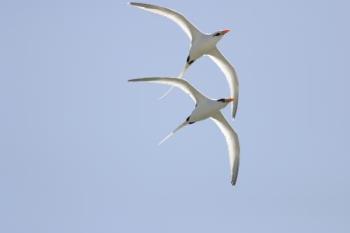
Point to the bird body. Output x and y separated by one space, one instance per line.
205 108
201 44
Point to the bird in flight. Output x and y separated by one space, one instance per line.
205 108
201 44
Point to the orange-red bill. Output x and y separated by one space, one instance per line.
225 31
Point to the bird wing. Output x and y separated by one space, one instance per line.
230 75
176 82
232 143
188 27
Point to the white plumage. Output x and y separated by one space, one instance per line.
201 44
205 108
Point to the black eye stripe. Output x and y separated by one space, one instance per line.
221 100
217 34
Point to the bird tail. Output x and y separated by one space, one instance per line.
183 71
181 75
173 132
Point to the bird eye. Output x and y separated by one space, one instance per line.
221 100
217 34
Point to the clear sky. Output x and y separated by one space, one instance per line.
78 144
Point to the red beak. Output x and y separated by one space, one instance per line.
225 31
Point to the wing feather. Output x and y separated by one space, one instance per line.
230 75
190 30
232 144
176 82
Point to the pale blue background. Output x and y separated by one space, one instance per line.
78 143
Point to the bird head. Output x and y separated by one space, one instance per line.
220 34
225 101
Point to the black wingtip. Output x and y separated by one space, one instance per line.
233 182
136 80
132 3
136 4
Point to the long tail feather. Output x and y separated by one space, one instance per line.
173 132
166 93
181 75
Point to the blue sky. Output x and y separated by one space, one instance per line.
78 144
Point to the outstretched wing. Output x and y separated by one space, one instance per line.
176 82
188 27
232 144
230 75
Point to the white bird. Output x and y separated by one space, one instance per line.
205 108
201 44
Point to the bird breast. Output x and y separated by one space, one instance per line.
205 110
202 46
